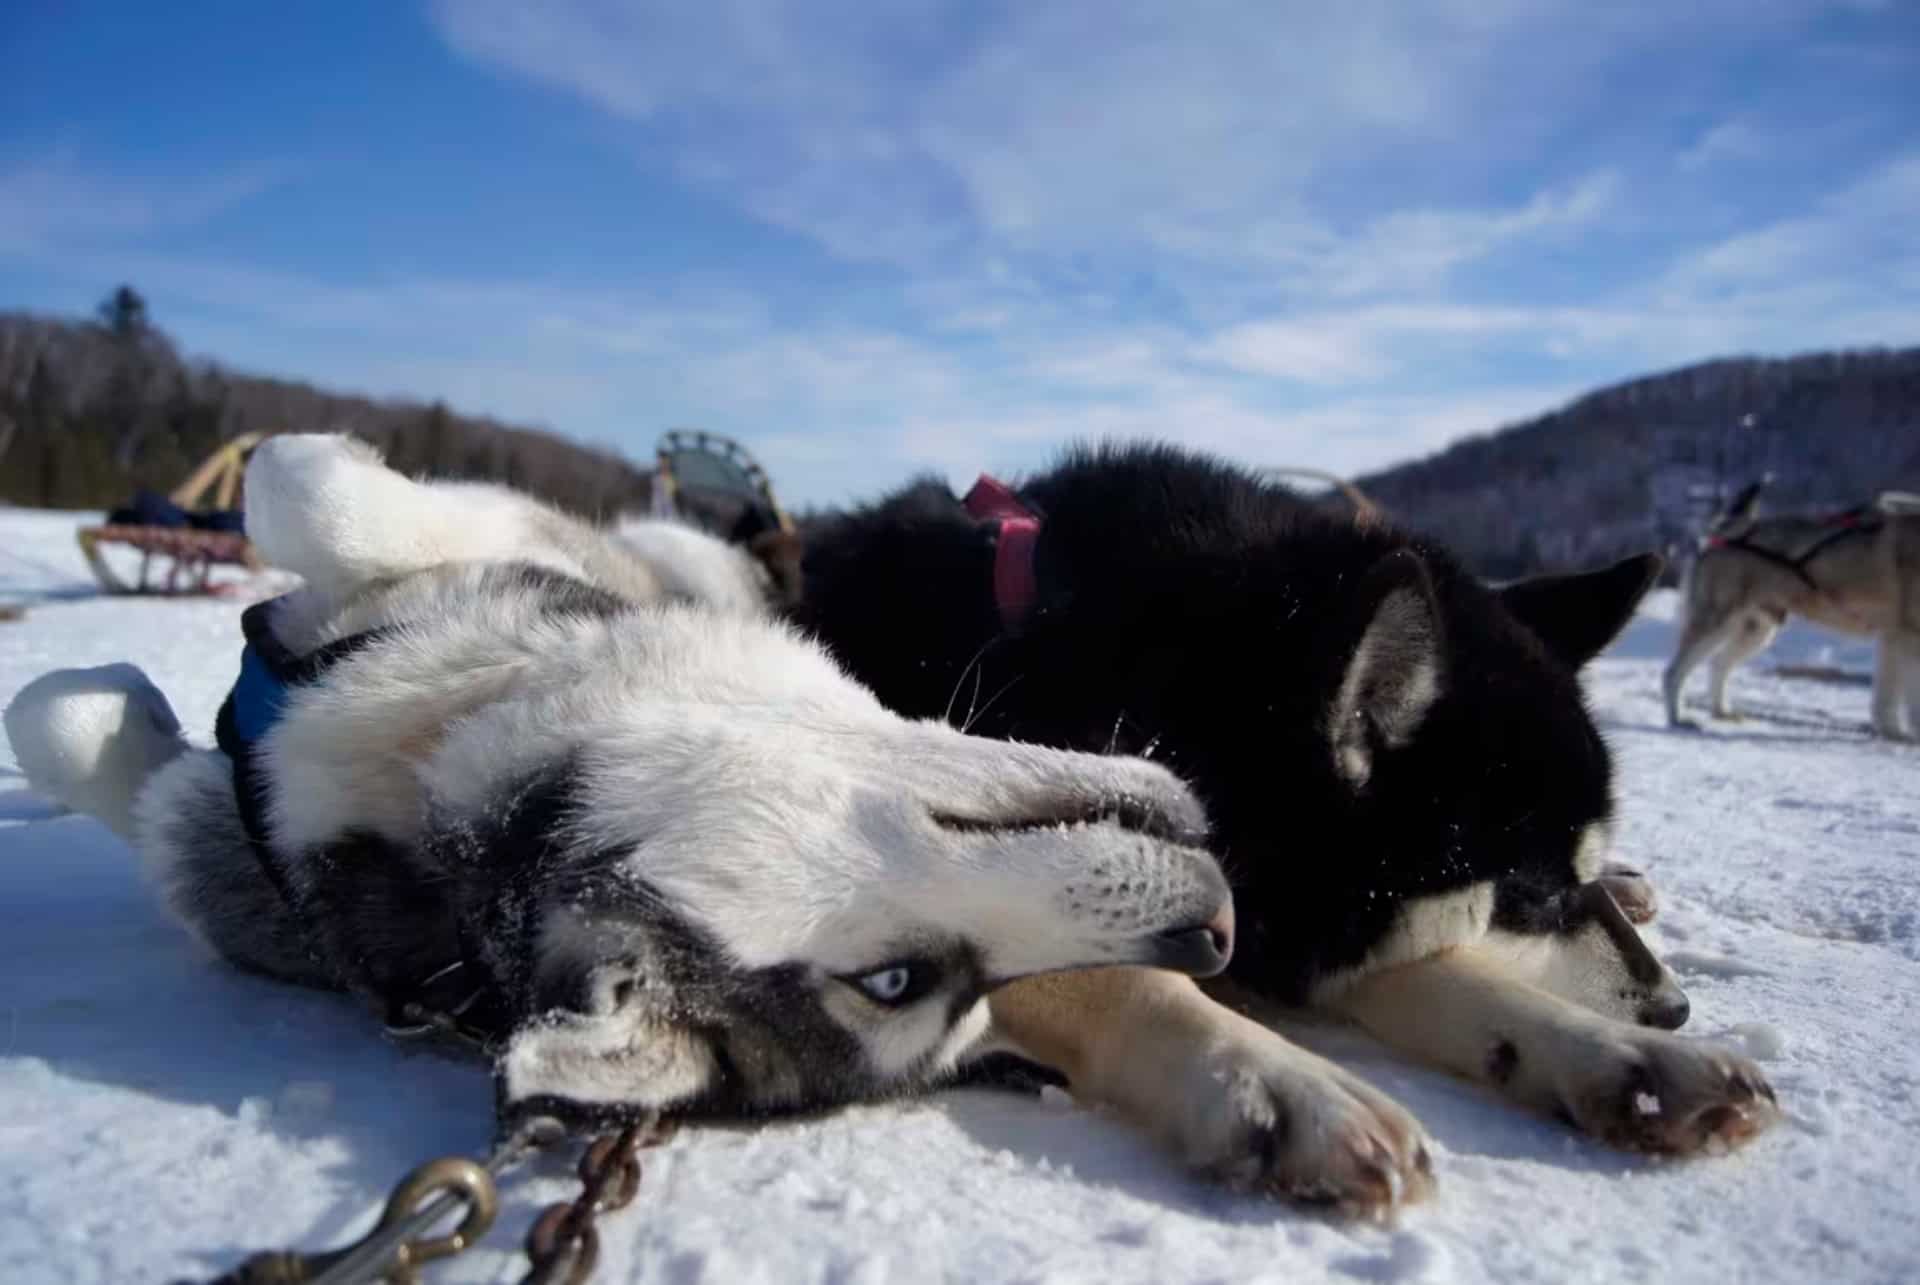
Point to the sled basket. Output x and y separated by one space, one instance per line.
714 483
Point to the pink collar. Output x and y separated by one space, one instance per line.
1014 588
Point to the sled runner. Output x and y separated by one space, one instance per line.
192 541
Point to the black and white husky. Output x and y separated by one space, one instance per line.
1403 782
657 854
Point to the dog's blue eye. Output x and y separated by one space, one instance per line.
894 985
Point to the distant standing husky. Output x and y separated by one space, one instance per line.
655 855
1856 572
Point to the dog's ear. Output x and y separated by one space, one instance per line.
594 1031
582 1068
1396 669
1742 506
605 1047
1576 616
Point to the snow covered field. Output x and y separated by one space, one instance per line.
161 1115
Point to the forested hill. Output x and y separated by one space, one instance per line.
1629 467
91 409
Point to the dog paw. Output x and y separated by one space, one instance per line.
1663 1095
1277 1119
1632 892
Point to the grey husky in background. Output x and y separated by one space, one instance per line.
1855 572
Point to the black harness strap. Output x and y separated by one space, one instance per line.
460 1000
1842 526
269 672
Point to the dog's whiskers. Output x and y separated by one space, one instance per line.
973 718
961 681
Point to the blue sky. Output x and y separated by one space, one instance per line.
873 238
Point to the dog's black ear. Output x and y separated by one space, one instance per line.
1396 669
1576 616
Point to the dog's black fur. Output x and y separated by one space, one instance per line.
1192 612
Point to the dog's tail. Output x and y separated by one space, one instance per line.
89 739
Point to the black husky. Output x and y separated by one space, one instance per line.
1404 783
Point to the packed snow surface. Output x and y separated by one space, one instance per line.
161 1115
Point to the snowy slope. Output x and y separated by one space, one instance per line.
160 1115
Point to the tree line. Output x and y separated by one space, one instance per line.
90 410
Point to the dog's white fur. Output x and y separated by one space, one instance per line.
752 789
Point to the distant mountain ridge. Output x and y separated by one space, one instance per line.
89 409
1629 467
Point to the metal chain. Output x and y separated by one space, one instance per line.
563 1244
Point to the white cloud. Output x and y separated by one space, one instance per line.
1733 140
1868 224
53 199
929 129
1325 234
1303 350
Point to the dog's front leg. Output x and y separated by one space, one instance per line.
1224 1093
1632 1086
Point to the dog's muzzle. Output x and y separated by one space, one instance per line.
1667 1007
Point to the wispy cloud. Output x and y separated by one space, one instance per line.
53 201
909 131
1868 224
1334 234
1732 140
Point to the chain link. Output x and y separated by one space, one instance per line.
563 1244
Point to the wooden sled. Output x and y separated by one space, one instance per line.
1365 510
188 554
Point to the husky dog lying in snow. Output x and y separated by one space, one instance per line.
1856 572
655 854
1402 778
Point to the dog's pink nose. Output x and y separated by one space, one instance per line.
1220 929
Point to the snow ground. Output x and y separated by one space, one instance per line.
161 1115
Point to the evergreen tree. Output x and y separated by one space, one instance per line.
124 314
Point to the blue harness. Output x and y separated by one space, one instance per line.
259 697
268 674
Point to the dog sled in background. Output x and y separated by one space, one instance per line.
191 540
1856 572
713 483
